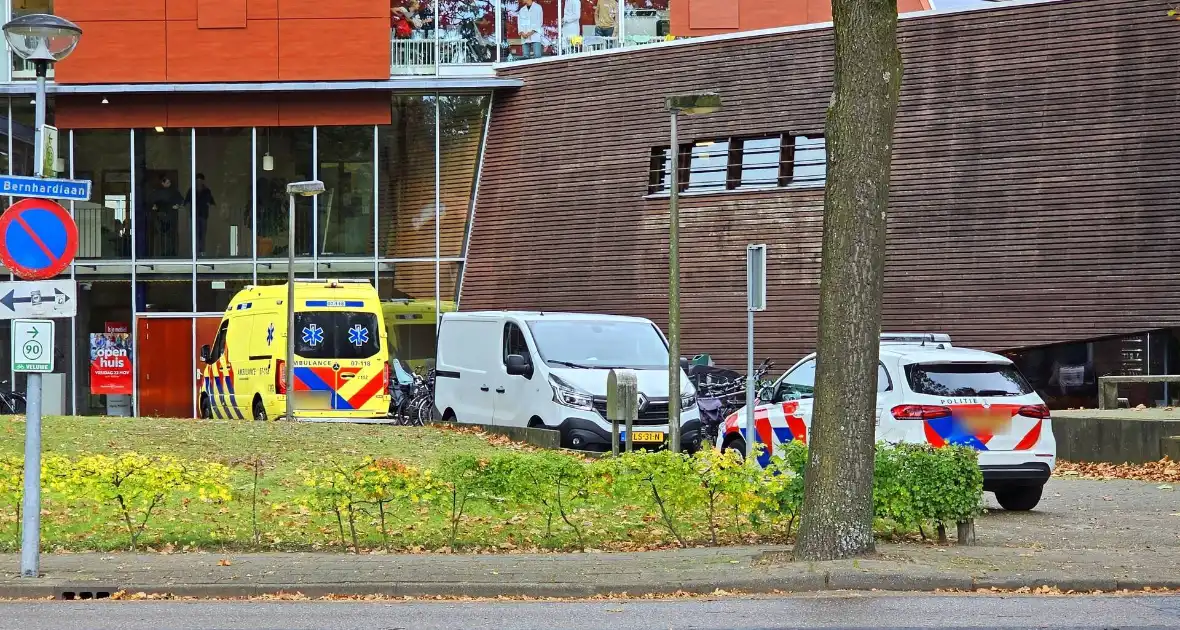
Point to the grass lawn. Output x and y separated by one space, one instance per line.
287 446
287 449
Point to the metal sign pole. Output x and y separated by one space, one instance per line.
30 540
755 301
30 545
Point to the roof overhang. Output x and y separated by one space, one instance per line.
432 84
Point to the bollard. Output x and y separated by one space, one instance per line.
622 405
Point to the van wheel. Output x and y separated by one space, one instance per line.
449 416
1019 498
259 410
206 408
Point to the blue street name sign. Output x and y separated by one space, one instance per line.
45 188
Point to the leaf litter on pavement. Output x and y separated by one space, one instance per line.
1165 471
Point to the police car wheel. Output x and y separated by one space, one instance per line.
738 445
1019 498
206 408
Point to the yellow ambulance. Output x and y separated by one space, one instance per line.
412 330
341 354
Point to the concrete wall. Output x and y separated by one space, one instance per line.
1116 436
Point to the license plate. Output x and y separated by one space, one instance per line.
647 437
987 423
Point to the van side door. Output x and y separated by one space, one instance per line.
511 393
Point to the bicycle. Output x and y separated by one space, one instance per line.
11 402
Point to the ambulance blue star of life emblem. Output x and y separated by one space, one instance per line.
358 335
313 335
270 334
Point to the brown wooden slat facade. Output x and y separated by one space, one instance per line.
1035 193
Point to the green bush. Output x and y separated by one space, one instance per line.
507 500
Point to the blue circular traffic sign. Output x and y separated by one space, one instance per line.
38 239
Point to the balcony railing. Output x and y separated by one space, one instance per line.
491 36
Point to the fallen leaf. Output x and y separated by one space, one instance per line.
224 562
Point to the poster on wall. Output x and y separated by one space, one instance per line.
110 363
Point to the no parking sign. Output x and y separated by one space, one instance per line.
38 239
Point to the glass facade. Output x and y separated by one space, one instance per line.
180 219
1066 375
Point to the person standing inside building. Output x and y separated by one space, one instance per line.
529 22
606 15
204 200
165 206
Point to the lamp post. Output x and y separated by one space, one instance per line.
44 40
302 189
688 104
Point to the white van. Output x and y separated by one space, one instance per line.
549 370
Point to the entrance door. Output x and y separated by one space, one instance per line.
206 334
165 381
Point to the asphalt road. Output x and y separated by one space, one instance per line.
829 611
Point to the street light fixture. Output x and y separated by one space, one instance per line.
44 40
302 189
689 105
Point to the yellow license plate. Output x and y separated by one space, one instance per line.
647 436
987 423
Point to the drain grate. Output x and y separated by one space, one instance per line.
82 594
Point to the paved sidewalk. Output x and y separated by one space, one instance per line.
1088 535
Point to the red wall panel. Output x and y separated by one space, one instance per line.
122 112
191 41
117 52
221 13
262 9
357 108
110 10
241 54
223 110
181 9
712 17
273 109
351 48
299 9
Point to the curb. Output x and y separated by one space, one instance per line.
803 582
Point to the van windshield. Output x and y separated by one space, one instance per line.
336 335
600 344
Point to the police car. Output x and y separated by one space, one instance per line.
930 392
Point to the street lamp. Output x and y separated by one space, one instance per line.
302 189
689 105
44 40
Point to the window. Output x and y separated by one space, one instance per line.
799 383
810 162
760 162
514 342
600 344
966 379
336 335
219 343
884 383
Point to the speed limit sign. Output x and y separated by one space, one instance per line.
32 345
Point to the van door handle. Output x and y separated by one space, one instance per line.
484 388
499 390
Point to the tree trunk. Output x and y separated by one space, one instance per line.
837 516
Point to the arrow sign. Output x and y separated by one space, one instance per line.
38 298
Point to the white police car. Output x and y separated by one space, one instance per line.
929 392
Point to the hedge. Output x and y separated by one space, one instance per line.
518 499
